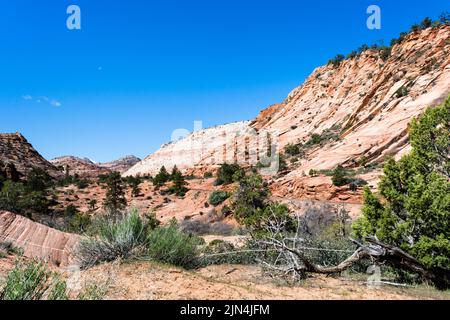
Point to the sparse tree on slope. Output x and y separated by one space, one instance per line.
115 201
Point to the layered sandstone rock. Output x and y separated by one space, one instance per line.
363 98
368 101
37 240
15 149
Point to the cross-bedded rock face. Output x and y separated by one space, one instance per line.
368 101
37 240
371 100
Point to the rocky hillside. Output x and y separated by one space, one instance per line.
15 149
363 108
85 168
358 110
121 165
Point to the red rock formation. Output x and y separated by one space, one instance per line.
368 100
15 149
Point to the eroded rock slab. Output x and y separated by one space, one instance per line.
37 240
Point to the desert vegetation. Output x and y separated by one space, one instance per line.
315 140
409 222
218 197
412 210
33 280
384 52
24 196
403 221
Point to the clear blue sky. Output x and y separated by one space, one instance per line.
140 69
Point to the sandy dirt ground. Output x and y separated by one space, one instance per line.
142 280
150 281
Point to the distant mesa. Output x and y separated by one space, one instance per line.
86 168
82 167
121 165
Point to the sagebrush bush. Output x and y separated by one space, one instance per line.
33 281
172 246
120 238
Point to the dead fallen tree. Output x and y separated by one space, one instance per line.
290 259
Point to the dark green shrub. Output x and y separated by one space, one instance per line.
38 180
426 23
226 211
282 164
385 53
314 139
208 175
79 222
134 183
402 92
356 183
218 197
162 177
340 178
71 210
14 197
179 183
444 18
82 183
10 196
251 196
229 173
292 149
92 205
